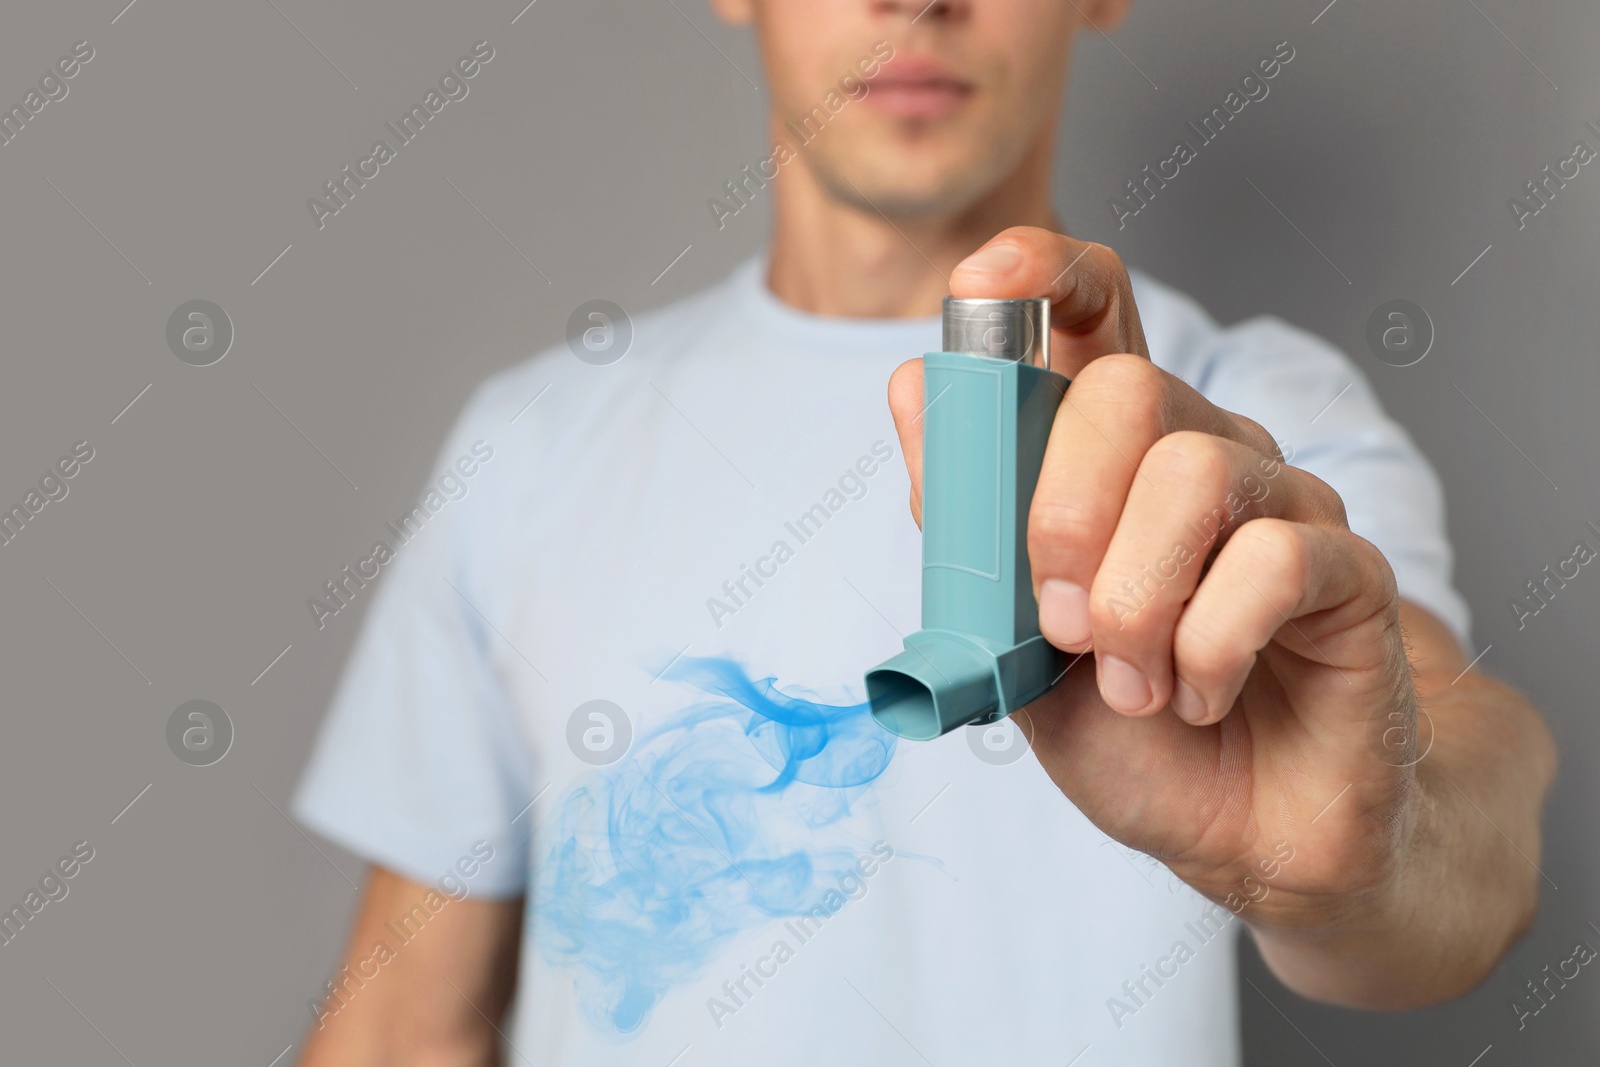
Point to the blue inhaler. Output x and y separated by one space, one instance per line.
989 401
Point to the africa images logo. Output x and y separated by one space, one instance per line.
452 86
854 84
851 485
1253 87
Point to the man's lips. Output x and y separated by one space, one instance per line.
915 88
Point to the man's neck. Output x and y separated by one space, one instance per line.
832 257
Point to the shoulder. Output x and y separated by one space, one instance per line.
1260 362
1319 406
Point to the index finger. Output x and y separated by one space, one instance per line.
1092 311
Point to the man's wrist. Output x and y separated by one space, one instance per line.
1353 948
1419 935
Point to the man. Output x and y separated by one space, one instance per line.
704 867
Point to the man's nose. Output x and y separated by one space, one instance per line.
921 11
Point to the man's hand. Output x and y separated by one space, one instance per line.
1251 670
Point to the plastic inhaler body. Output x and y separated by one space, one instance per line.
989 402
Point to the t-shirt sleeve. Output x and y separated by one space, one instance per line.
1318 405
419 759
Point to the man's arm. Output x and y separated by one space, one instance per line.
434 1000
1466 884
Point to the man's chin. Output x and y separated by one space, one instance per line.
904 190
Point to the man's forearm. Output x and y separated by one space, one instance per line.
1465 881
434 1000
359 1046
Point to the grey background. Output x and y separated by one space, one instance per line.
188 546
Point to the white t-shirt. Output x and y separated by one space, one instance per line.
761 875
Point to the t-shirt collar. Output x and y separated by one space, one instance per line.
748 286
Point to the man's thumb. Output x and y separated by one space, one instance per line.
905 404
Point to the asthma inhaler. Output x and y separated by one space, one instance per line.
989 400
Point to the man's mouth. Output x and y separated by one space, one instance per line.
917 87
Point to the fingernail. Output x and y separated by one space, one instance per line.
1122 685
1188 703
995 259
1064 613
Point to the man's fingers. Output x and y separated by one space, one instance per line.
1092 310
1115 411
1192 492
1322 593
1110 418
905 404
